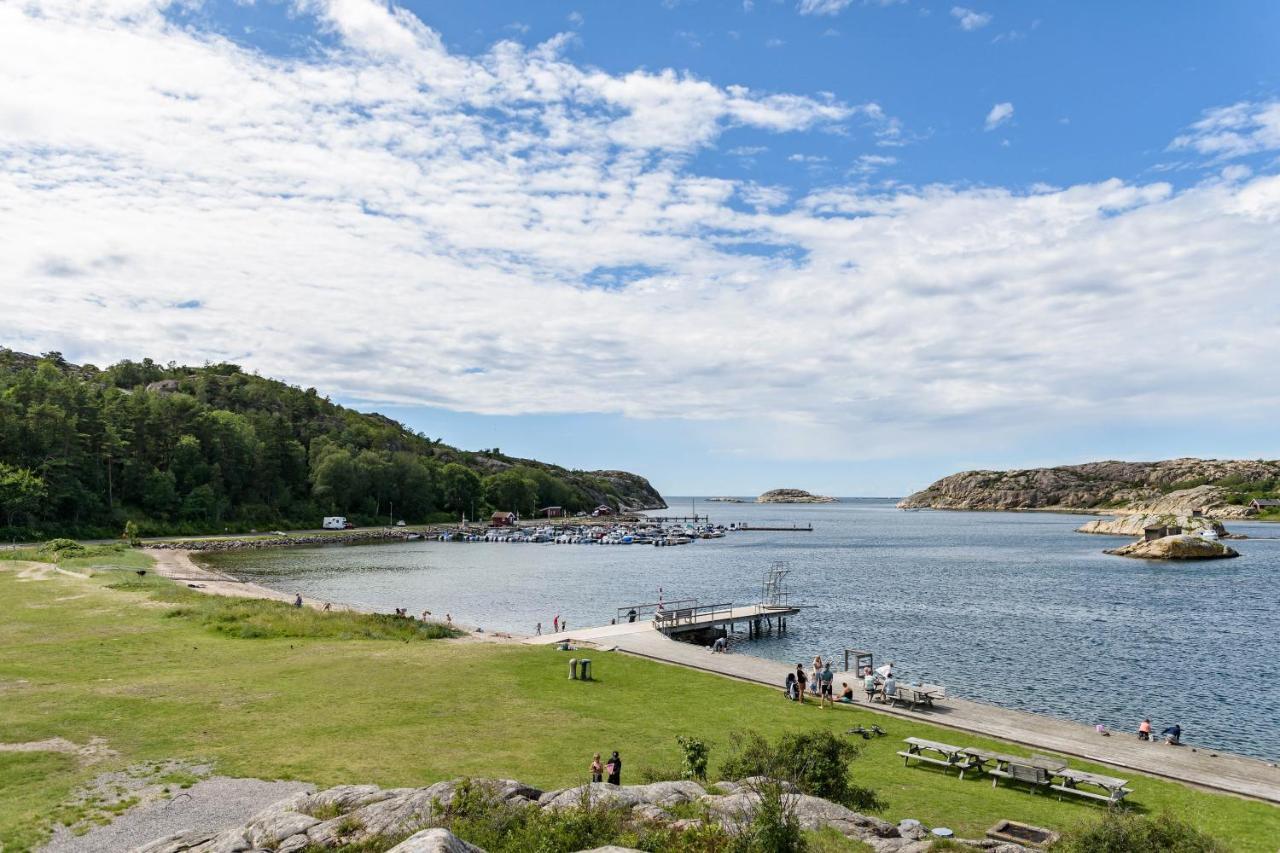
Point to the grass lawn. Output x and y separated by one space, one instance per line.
159 680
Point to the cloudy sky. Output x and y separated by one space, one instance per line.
844 246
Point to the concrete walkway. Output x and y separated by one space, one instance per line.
1199 766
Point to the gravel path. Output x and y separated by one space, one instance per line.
213 804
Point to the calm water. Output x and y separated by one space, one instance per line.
1009 608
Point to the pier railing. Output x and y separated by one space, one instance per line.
673 617
650 611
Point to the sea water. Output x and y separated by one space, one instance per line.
1015 609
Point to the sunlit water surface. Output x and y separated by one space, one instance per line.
1010 608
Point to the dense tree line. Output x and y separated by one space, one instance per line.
176 449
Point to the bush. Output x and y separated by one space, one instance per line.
817 762
476 814
774 827
696 753
1124 832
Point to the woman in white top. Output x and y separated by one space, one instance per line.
817 670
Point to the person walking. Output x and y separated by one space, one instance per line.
614 769
539 630
297 600
597 769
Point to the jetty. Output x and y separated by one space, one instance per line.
808 528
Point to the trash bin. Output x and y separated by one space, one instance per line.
573 669
586 669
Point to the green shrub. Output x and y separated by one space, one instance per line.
695 753
1121 831
476 814
774 827
816 762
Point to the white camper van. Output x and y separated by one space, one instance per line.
335 522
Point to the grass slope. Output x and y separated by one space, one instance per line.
79 659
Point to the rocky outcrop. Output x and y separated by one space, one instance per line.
792 496
1171 487
1181 547
366 816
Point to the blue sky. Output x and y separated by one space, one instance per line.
843 246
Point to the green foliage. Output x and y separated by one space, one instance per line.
20 492
476 814
213 449
817 762
1121 831
774 826
695 754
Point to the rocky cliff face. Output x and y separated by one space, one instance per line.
792 496
1172 487
630 492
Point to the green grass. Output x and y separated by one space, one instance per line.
79 659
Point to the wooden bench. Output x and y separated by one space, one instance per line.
1027 774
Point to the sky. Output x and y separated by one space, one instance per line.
849 246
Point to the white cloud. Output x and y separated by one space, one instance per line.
576 19
1235 131
969 19
999 114
383 218
822 7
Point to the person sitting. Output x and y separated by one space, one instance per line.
846 693
1144 729
890 687
1173 735
869 685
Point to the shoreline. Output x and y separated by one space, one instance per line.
1036 731
179 566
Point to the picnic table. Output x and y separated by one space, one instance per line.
1115 789
912 697
932 752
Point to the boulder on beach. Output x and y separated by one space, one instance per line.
1181 547
792 496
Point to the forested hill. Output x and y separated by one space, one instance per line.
83 450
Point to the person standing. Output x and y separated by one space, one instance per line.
297 600
555 624
597 769
800 683
614 769
539 630
825 690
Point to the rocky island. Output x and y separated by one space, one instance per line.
793 496
1216 488
1184 546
